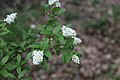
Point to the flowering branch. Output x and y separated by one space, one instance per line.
62 39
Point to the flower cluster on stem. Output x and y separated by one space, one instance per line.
11 18
37 57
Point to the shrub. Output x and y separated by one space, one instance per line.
62 39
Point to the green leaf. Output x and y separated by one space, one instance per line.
23 62
66 57
5 59
56 9
4 73
11 75
11 66
21 74
44 43
22 44
29 55
46 7
56 29
2 24
46 32
50 28
36 45
18 58
67 50
13 44
61 38
48 54
69 42
41 27
3 31
18 69
60 12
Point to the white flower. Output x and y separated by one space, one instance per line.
51 2
33 26
76 59
77 40
37 57
11 18
58 4
68 32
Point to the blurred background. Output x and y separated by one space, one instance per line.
97 23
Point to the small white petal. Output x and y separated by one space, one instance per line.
76 59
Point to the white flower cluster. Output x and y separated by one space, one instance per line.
68 32
56 2
77 40
11 18
37 57
76 59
